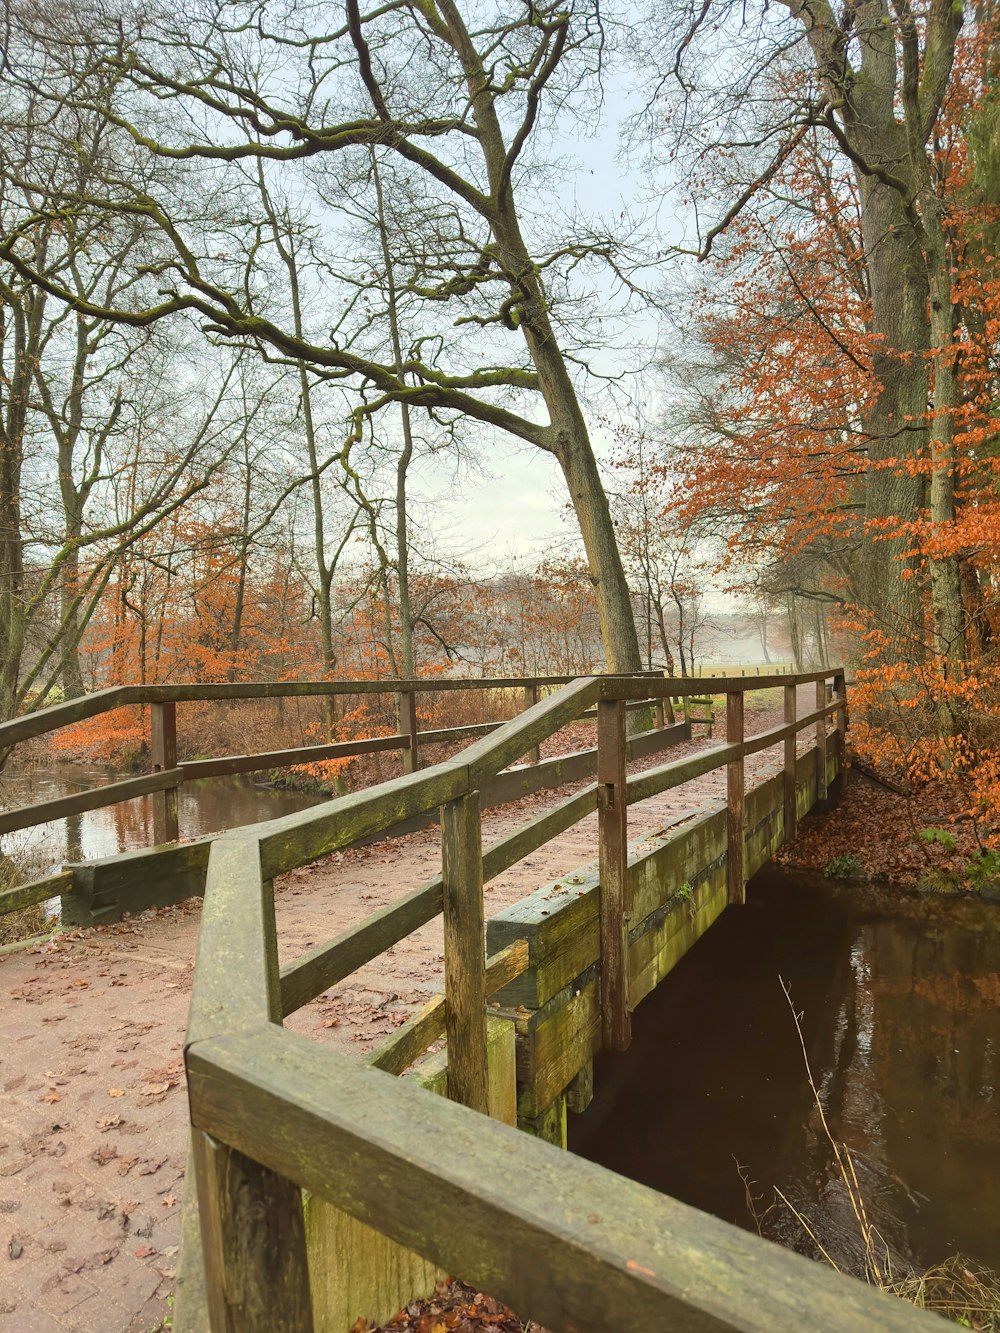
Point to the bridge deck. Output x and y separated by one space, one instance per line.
93 1116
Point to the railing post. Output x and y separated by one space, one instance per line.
840 690
408 726
616 1019
791 767
734 799
821 702
163 745
530 699
464 951
251 1223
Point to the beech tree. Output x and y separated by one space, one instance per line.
460 102
871 79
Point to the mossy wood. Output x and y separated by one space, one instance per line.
413 1038
38 891
162 876
43 812
274 1121
562 1240
464 958
678 886
613 892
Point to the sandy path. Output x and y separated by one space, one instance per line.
92 1104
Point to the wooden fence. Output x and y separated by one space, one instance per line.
276 1118
92 892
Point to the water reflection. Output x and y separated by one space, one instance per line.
204 806
900 1005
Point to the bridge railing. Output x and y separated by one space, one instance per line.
168 774
273 1115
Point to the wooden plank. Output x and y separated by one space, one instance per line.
163 748
409 727
791 819
44 720
642 687
445 735
302 754
236 979
27 816
538 831
90 705
614 903
38 891
253 1242
821 707
427 1026
562 1240
734 800
252 1232
412 1039
325 965
464 951
679 771
305 836
530 699
515 738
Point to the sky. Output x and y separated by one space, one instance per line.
521 509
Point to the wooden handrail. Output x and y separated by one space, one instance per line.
562 1240
272 1113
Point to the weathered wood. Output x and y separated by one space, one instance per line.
163 750
646 687
307 835
252 1232
840 691
487 757
464 951
409 727
538 831
26 816
562 1240
821 707
580 1092
612 815
530 699
302 754
133 881
253 1242
325 965
734 800
412 1039
790 770
38 891
236 979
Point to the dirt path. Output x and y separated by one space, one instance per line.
92 1098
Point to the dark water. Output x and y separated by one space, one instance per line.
204 806
900 1012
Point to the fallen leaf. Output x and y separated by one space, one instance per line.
169 1200
116 1092
144 1251
51 1096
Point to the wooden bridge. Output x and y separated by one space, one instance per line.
319 1182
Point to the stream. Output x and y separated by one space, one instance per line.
205 805
899 1000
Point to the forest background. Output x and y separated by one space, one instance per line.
273 273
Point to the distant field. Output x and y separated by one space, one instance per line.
743 669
